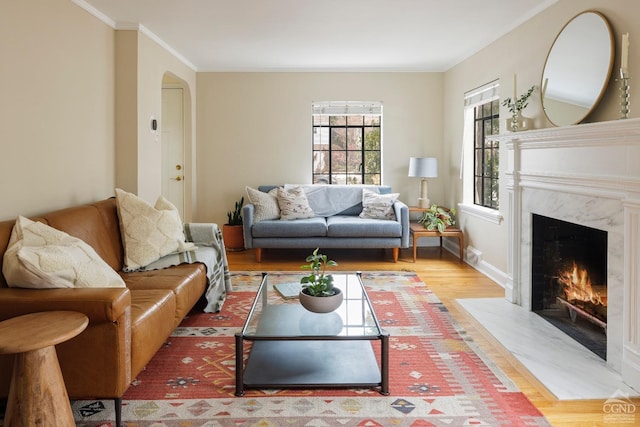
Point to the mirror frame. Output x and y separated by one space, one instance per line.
605 82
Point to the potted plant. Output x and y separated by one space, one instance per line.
515 107
437 218
318 293
232 231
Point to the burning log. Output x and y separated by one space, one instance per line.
578 287
575 311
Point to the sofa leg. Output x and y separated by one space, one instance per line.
396 252
117 403
258 254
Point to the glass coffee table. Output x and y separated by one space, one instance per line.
295 348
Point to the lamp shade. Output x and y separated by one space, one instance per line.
423 167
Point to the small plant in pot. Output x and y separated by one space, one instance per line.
232 231
318 293
438 218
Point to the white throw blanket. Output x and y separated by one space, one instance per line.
327 200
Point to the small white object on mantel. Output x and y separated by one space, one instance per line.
624 62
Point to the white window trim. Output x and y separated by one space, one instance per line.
472 99
491 215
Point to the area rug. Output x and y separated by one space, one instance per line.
438 377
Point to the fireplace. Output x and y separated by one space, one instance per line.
569 279
584 175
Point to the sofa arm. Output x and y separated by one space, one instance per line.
98 304
96 363
247 223
402 216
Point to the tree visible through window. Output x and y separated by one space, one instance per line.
347 143
486 155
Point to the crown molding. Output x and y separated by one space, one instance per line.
95 12
132 26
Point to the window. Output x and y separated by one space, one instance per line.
347 142
486 155
480 165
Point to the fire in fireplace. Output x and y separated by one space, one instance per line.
569 273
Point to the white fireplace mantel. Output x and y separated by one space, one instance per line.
587 174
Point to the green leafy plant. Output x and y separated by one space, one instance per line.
437 218
515 106
318 283
235 217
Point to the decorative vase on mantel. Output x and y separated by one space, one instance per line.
518 122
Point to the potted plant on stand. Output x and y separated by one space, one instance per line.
318 293
232 231
437 218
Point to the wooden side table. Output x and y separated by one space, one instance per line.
417 231
37 395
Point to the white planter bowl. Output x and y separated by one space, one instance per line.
321 304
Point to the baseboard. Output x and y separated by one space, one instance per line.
473 257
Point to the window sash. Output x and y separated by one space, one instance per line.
355 131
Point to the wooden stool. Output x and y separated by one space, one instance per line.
418 230
37 395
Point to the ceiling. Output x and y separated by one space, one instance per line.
319 35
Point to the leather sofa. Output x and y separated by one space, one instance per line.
343 229
127 326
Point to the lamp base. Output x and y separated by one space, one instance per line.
424 203
423 200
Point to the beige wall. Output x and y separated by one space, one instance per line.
255 128
523 51
57 109
141 67
73 86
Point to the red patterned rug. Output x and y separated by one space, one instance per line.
438 377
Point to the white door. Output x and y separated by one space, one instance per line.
172 126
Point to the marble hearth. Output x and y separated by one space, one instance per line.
589 175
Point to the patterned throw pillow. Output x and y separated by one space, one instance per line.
378 206
265 204
294 204
42 257
148 232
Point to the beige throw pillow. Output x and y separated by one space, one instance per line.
378 206
42 257
265 204
294 204
148 232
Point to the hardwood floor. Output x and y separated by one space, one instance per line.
450 280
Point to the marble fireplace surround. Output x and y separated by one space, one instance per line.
590 175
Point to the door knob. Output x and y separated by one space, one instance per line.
178 167
178 178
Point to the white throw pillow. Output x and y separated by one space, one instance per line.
148 232
378 206
42 257
265 204
294 204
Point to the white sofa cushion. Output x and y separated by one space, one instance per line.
148 232
294 204
265 204
378 206
41 257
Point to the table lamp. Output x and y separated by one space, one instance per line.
423 167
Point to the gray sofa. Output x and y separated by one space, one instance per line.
332 227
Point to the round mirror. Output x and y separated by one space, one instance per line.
577 69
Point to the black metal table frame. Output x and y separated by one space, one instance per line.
240 337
